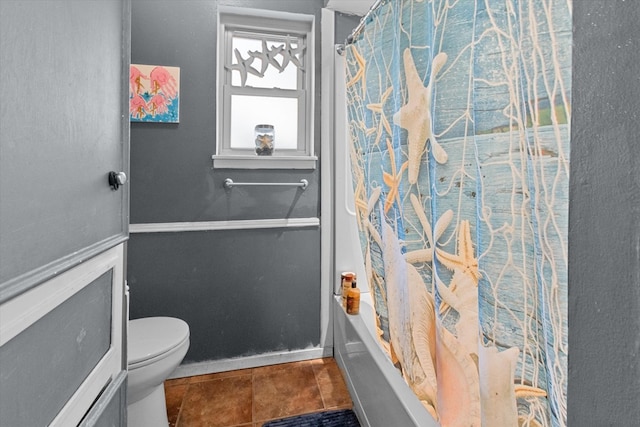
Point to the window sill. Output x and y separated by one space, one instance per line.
264 162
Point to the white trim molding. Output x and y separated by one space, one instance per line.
235 363
243 224
327 178
263 162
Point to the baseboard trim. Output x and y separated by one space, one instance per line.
232 364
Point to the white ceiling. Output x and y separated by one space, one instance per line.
352 7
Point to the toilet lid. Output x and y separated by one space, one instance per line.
152 336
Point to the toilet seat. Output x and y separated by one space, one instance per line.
152 338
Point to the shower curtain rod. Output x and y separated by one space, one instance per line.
363 21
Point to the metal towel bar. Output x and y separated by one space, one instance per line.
228 183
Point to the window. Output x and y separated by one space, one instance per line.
265 77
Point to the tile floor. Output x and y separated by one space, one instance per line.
250 397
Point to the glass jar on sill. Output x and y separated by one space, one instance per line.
265 136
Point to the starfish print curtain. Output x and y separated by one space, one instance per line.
458 113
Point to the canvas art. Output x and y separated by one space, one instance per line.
459 117
154 93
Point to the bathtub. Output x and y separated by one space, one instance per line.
381 398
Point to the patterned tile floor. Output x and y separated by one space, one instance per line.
250 397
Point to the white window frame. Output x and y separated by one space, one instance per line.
240 20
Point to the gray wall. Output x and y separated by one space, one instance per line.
344 26
246 300
241 292
171 175
604 216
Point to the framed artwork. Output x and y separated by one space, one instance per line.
154 93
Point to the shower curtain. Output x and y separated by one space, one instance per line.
459 113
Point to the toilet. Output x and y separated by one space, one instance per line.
156 346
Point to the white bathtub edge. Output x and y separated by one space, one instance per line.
402 400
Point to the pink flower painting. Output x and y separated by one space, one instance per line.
154 93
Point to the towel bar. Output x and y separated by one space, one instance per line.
228 183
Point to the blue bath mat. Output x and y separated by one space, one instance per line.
341 418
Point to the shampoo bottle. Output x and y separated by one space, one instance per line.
347 279
353 299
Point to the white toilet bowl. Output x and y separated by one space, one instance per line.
156 346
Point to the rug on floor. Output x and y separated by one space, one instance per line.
340 418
